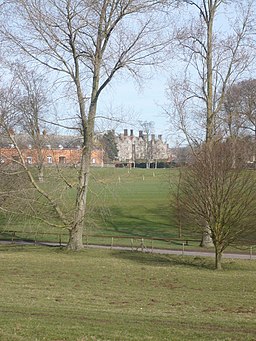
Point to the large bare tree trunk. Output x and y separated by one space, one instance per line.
76 232
206 238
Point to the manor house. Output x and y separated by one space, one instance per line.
144 149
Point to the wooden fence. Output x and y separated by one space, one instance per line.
133 243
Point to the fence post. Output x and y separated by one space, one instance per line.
13 236
60 239
152 245
142 244
112 242
183 248
132 243
251 253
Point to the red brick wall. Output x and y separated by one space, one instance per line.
58 156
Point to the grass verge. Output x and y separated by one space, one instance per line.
54 295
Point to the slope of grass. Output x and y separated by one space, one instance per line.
122 202
54 295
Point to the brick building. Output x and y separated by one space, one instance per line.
50 150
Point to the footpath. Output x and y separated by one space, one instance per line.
248 255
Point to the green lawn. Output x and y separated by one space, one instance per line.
122 202
131 203
53 295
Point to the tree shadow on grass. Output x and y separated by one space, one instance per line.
142 222
150 259
196 262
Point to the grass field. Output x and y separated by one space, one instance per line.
123 202
53 295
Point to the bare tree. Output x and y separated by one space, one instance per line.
238 116
239 108
216 194
148 128
86 43
31 106
28 198
213 60
230 117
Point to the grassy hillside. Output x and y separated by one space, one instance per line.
97 295
138 201
123 202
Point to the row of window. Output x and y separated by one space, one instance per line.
62 159
29 159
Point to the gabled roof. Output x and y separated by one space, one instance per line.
47 141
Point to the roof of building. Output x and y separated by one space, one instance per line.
47 141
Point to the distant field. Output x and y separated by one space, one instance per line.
127 203
139 201
97 295
123 202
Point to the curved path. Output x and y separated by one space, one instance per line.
248 255
179 252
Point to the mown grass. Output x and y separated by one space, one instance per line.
133 203
54 295
122 202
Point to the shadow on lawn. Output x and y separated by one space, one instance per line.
166 260
142 222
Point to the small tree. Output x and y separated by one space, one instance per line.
148 128
239 112
109 146
31 107
216 194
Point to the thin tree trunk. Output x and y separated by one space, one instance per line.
77 228
218 258
206 238
41 173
